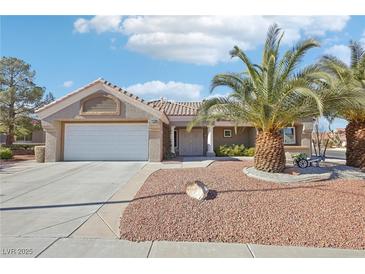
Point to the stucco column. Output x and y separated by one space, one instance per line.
155 131
172 139
210 145
53 141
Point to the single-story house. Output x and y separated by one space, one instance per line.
101 121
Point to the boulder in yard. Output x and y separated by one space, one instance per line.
197 190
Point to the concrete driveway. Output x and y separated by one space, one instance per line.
54 199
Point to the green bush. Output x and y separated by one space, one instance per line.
5 153
18 147
234 150
22 147
250 151
299 156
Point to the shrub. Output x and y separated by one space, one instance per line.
299 156
250 152
29 147
230 150
5 153
234 150
22 147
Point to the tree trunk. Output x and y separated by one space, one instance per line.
355 143
269 152
10 136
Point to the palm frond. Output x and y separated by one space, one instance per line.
357 52
293 57
272 94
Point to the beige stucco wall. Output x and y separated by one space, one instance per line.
72 112
155 141
303 138
244 135
298 149
247 137
53 141
38 136
53 127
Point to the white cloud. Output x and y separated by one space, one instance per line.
99 23
171 90
340 51
208 39
68 84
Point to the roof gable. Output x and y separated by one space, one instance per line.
93 87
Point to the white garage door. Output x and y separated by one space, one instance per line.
106 141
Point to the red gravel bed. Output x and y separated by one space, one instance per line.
246 210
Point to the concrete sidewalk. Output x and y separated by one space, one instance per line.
20 247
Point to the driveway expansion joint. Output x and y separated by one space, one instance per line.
149 250
106 223
249 249
47 247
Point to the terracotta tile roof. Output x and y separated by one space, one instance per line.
99 80
176 108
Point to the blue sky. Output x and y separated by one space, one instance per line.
158 56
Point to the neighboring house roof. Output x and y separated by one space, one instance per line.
176 108
114 88
341 130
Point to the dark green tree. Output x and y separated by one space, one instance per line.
19 95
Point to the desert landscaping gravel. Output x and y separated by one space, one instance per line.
246 210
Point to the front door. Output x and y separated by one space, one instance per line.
191 143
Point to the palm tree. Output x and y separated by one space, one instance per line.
270 96
350 77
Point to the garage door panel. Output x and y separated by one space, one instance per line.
106 142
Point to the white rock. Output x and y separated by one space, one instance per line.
197 190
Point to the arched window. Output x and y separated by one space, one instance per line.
100 105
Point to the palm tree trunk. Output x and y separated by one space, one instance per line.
269 153
355 143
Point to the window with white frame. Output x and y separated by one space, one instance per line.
289 136
227 133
